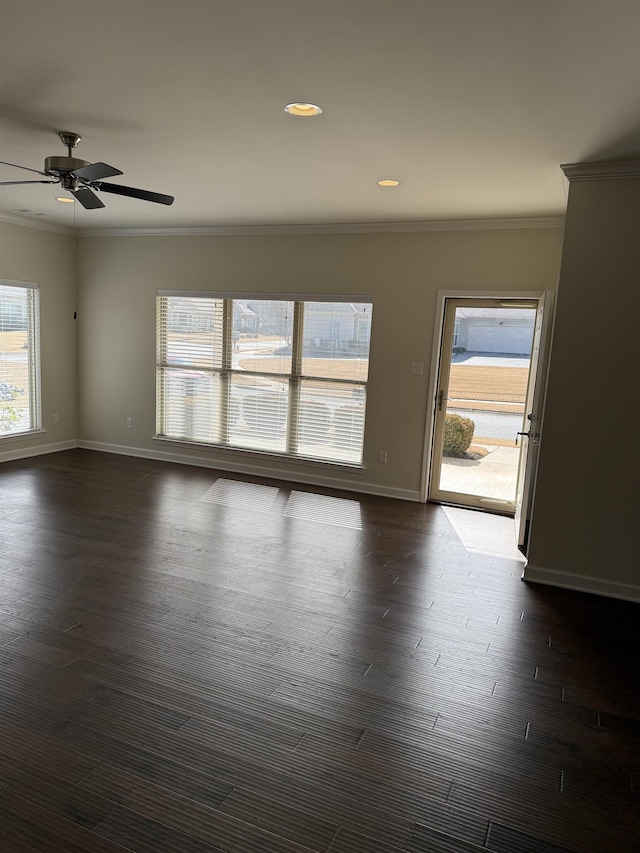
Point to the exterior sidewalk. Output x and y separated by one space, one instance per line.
494 476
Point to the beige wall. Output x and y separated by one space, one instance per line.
586 500
119 277
46 257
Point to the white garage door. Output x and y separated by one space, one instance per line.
496 338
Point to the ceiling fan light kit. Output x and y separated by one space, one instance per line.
81 178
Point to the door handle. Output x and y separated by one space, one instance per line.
520 433
440 399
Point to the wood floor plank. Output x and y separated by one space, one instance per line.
504 839
424 839
141 708
184 820
10 844
347 841
600 826
43 829
299 826
43 751
136 832
199 785
52 792
40 651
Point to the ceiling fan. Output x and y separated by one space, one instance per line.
81 178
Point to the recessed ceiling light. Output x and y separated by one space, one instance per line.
302 109
65 199
389 182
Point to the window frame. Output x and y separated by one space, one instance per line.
34 395
294 377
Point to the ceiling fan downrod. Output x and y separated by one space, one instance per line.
59 165
69 139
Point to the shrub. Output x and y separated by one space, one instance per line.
9 415
458 434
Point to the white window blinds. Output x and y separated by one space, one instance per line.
19 358
275 375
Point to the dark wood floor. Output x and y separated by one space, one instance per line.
194 662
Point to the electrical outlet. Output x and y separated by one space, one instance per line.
56 417
417 367
382 456
129 423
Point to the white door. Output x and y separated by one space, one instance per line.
533 422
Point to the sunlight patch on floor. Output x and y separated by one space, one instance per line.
247 496
324 510
484 533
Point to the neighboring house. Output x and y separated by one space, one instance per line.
494 330
338 323
13 315
198 318
245 319
327 324
203 316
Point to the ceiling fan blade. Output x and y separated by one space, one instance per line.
87 198
95 172
132 192
15 183
26 168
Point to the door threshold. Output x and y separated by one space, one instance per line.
493 509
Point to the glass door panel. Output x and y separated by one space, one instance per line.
480 404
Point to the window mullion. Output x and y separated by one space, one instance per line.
161 360
296 372
34 360
30 365
225 373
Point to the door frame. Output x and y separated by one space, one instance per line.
436 356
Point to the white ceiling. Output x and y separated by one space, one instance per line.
472 105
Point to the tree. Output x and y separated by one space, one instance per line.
275 318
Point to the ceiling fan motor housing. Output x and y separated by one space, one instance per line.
62 165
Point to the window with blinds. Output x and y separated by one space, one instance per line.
19 358
284 376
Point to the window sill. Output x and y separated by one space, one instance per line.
21 436
353 467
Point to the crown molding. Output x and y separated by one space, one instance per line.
604 171
257 230
344 228
38 224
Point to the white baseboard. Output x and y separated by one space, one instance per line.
241 467
581 583
36 450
